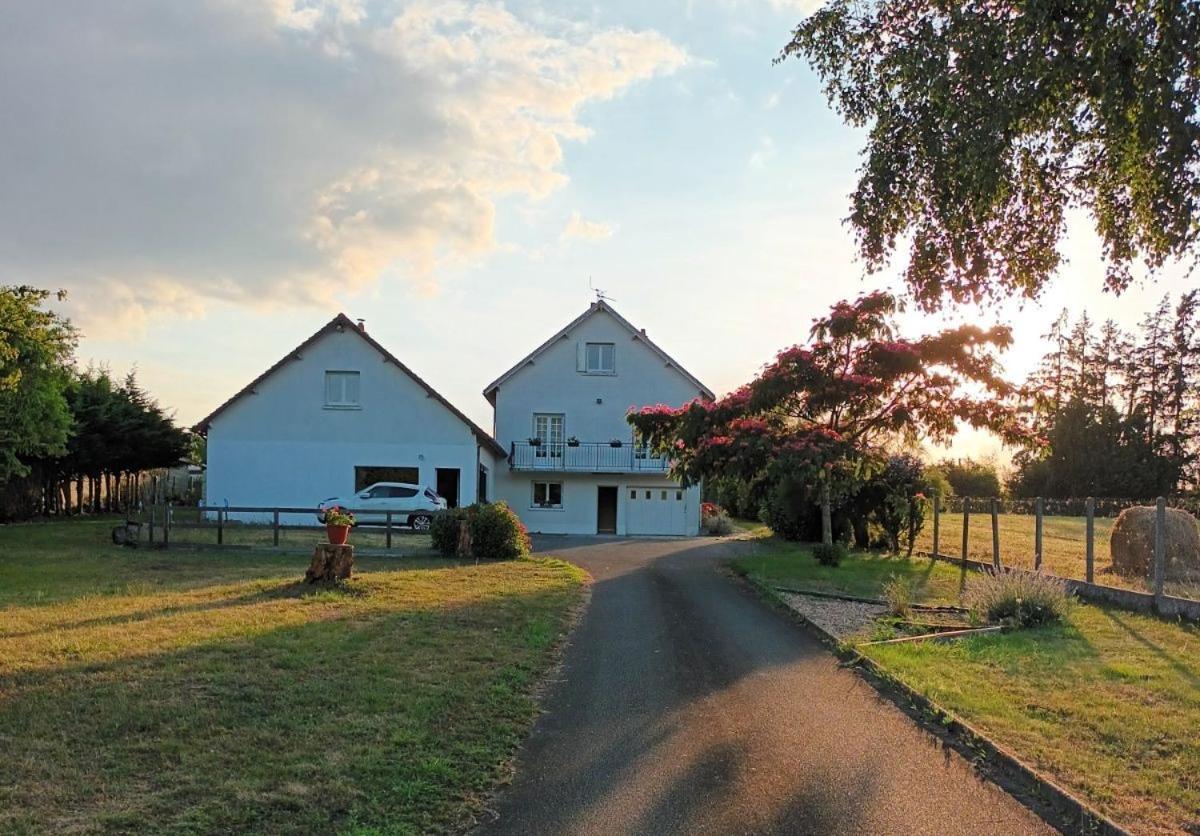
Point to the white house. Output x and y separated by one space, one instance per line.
340 412
573 463
336 414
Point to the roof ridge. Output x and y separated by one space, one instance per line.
341 321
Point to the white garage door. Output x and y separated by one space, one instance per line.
655 511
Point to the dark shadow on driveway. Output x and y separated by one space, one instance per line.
687 705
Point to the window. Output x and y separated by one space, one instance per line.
547 494
664 496
678 496
365 475
548 429
341 390
633 494
647 494
600 358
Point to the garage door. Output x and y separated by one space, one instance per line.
655 511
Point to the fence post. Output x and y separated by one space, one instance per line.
966 527
1037 534
275 527
388 535
166 525
1160 547
151 531
937 512
1090 510
996 533
220 526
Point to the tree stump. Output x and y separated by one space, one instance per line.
330 564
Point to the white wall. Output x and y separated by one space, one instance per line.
552 384
578 514
282 447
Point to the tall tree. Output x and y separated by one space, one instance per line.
824 414
988 122
35 350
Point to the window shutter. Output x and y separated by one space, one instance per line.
333 388
581 356
351 393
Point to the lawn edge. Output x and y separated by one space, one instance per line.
1054 804
484 810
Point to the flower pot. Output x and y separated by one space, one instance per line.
614 444
337 534
572 443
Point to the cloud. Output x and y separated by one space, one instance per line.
763 153
160 155
578 227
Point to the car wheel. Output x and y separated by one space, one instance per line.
420 522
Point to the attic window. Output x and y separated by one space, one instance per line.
599 358
342 390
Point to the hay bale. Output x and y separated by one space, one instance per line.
1132 543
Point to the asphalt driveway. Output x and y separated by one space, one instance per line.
685 705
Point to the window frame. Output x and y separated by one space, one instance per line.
343 375
548 506
551 445
599 368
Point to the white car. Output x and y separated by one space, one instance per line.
410 504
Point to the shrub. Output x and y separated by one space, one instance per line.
497 533
829 555
717 523
444 530
1017 599
898 596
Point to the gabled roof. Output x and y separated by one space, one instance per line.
341 322
596 307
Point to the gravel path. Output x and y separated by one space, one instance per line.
841 618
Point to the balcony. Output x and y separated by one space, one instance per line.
584 457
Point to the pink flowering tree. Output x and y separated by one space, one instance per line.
826 412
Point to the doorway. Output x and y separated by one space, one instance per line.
606 509
447 485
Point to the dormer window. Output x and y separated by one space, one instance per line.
599 358
342 390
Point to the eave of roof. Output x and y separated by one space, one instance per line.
596 307
343 322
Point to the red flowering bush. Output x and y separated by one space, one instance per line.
823 414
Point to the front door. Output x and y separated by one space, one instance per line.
447 485
606 510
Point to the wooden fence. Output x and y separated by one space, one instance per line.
161 520
1155 601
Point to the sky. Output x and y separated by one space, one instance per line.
212 181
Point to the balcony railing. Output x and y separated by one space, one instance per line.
585 457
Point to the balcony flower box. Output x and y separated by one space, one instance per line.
572 442
535 442
616 443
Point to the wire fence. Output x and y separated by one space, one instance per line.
1068 538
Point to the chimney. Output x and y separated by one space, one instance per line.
362 325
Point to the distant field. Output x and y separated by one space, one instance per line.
1063 546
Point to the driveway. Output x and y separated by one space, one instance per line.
685 705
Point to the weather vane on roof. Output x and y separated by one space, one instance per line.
601 296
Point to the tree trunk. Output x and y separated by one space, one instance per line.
826 515
330 564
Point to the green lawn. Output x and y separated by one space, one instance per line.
1108 704
181 691
1063 546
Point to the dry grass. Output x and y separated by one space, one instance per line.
201 692
1107 702
1064 547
